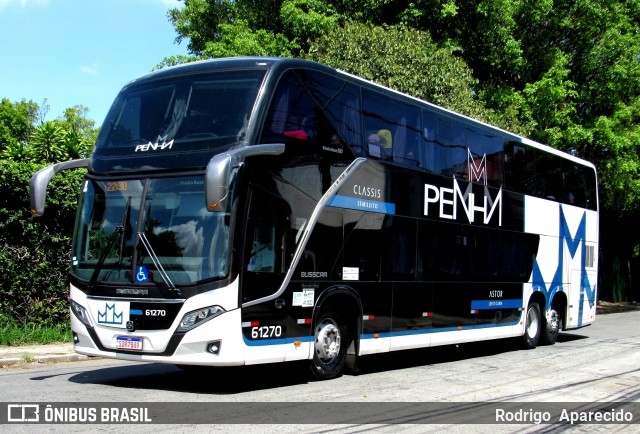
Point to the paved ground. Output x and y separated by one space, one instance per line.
63 352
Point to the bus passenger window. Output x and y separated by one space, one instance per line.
395 127
373 146
519 168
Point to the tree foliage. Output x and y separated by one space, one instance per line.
238 39
16 124
34 253
403 59
70 136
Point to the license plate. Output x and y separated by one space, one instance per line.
129 343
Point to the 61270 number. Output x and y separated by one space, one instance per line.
265 332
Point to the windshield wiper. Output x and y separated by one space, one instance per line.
156 262
103 255
119 230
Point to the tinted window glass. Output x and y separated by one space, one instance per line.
538 173
362 243
291 115
392 129
267 244
485 157
591 194
519 168
578 185
340 102
438 250
193 112
548 175
445 148
295 118
399 252
319 255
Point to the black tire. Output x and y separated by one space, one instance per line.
532 326
331 340
551 326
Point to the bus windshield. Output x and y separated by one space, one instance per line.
145 231
196 112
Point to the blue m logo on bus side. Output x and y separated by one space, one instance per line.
572 243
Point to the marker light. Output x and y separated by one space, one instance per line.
195 318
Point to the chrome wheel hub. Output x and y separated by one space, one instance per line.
327 340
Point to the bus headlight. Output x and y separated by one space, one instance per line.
195 318
81 313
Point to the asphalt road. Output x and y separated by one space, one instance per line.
600 363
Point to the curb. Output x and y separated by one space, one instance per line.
28 359
615 308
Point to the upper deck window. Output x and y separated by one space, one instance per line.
180 114
392 129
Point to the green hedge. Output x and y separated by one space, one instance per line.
34 251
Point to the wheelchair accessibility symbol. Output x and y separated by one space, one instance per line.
142 274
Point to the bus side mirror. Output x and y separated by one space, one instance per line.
222 168
217 181
40 180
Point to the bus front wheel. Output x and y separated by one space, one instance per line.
331 338
532 326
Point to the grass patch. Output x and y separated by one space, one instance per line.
14 333
28 358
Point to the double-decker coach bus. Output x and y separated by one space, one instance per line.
259 210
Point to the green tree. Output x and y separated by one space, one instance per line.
22 138
16 126
404 59
33 259
80 132
199 21
307 20
34 253
48 142
217 28
238 39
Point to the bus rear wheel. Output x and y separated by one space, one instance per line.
551 327
532 326
331 338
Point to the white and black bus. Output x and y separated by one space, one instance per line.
258 210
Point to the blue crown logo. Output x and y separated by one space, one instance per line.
109 315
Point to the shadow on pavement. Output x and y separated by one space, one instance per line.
233 380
